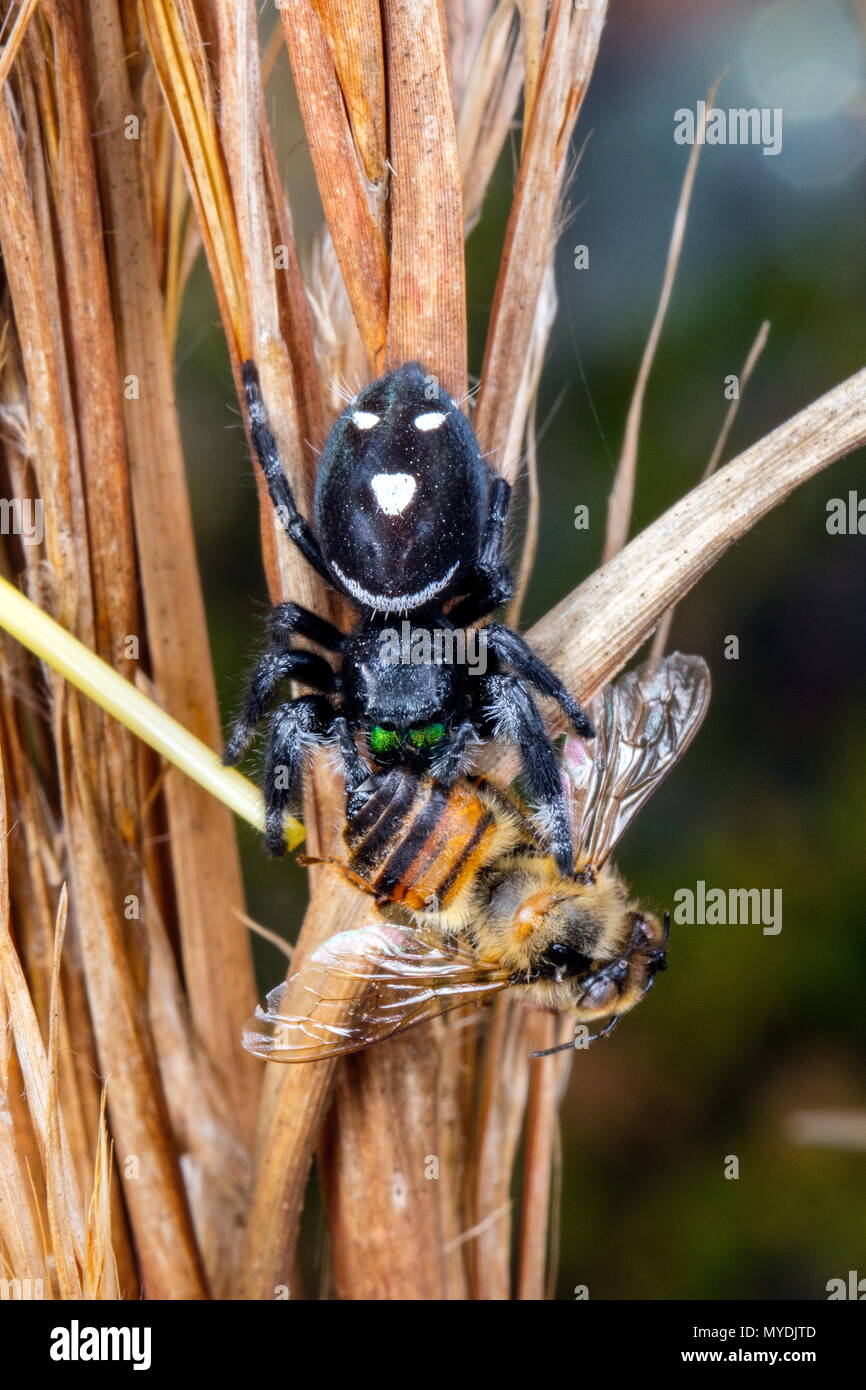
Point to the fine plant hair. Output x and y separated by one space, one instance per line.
144 1151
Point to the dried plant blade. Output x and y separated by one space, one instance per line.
16 35
206 867
32 288
354 33
352 208
541 1122
169 25
102 684
504 1080
660 640
486 105
731 413
99 1278
427 312
293 1108
21 1240
522 433
59 1227
533 14
591 634
383 1207
619 507
246 147
570 48
64 1198
154 1190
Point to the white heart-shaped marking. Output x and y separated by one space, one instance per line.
394 491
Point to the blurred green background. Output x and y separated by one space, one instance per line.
744 1029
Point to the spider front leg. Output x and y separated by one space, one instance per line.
454 758
275 666
514 716
296 729
514 652
355 770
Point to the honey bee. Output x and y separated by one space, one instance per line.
488 907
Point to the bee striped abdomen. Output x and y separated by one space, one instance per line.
416 844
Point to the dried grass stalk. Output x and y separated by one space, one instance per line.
660 640
418 1145
353 201
205 862
488 76
622 494
427 310
592 633
87 804
568 56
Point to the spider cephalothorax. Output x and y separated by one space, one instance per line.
408 519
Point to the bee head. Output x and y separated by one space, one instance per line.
617 986
607 990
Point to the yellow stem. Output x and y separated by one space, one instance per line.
123 701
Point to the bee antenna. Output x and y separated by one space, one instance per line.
593 1037
549 1051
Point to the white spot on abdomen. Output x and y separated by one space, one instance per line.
393 491
430 421
365 419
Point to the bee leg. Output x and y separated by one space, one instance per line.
514 716
296 728
603 1032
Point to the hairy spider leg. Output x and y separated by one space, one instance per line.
511 649
296 729
513 715
454 758
281 662
297 527
355 770
490 585
287 619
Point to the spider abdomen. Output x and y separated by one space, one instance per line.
401 494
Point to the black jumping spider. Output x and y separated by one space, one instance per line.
408 516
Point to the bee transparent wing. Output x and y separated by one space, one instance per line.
365 985
644 723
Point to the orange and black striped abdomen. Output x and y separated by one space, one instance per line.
417 844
